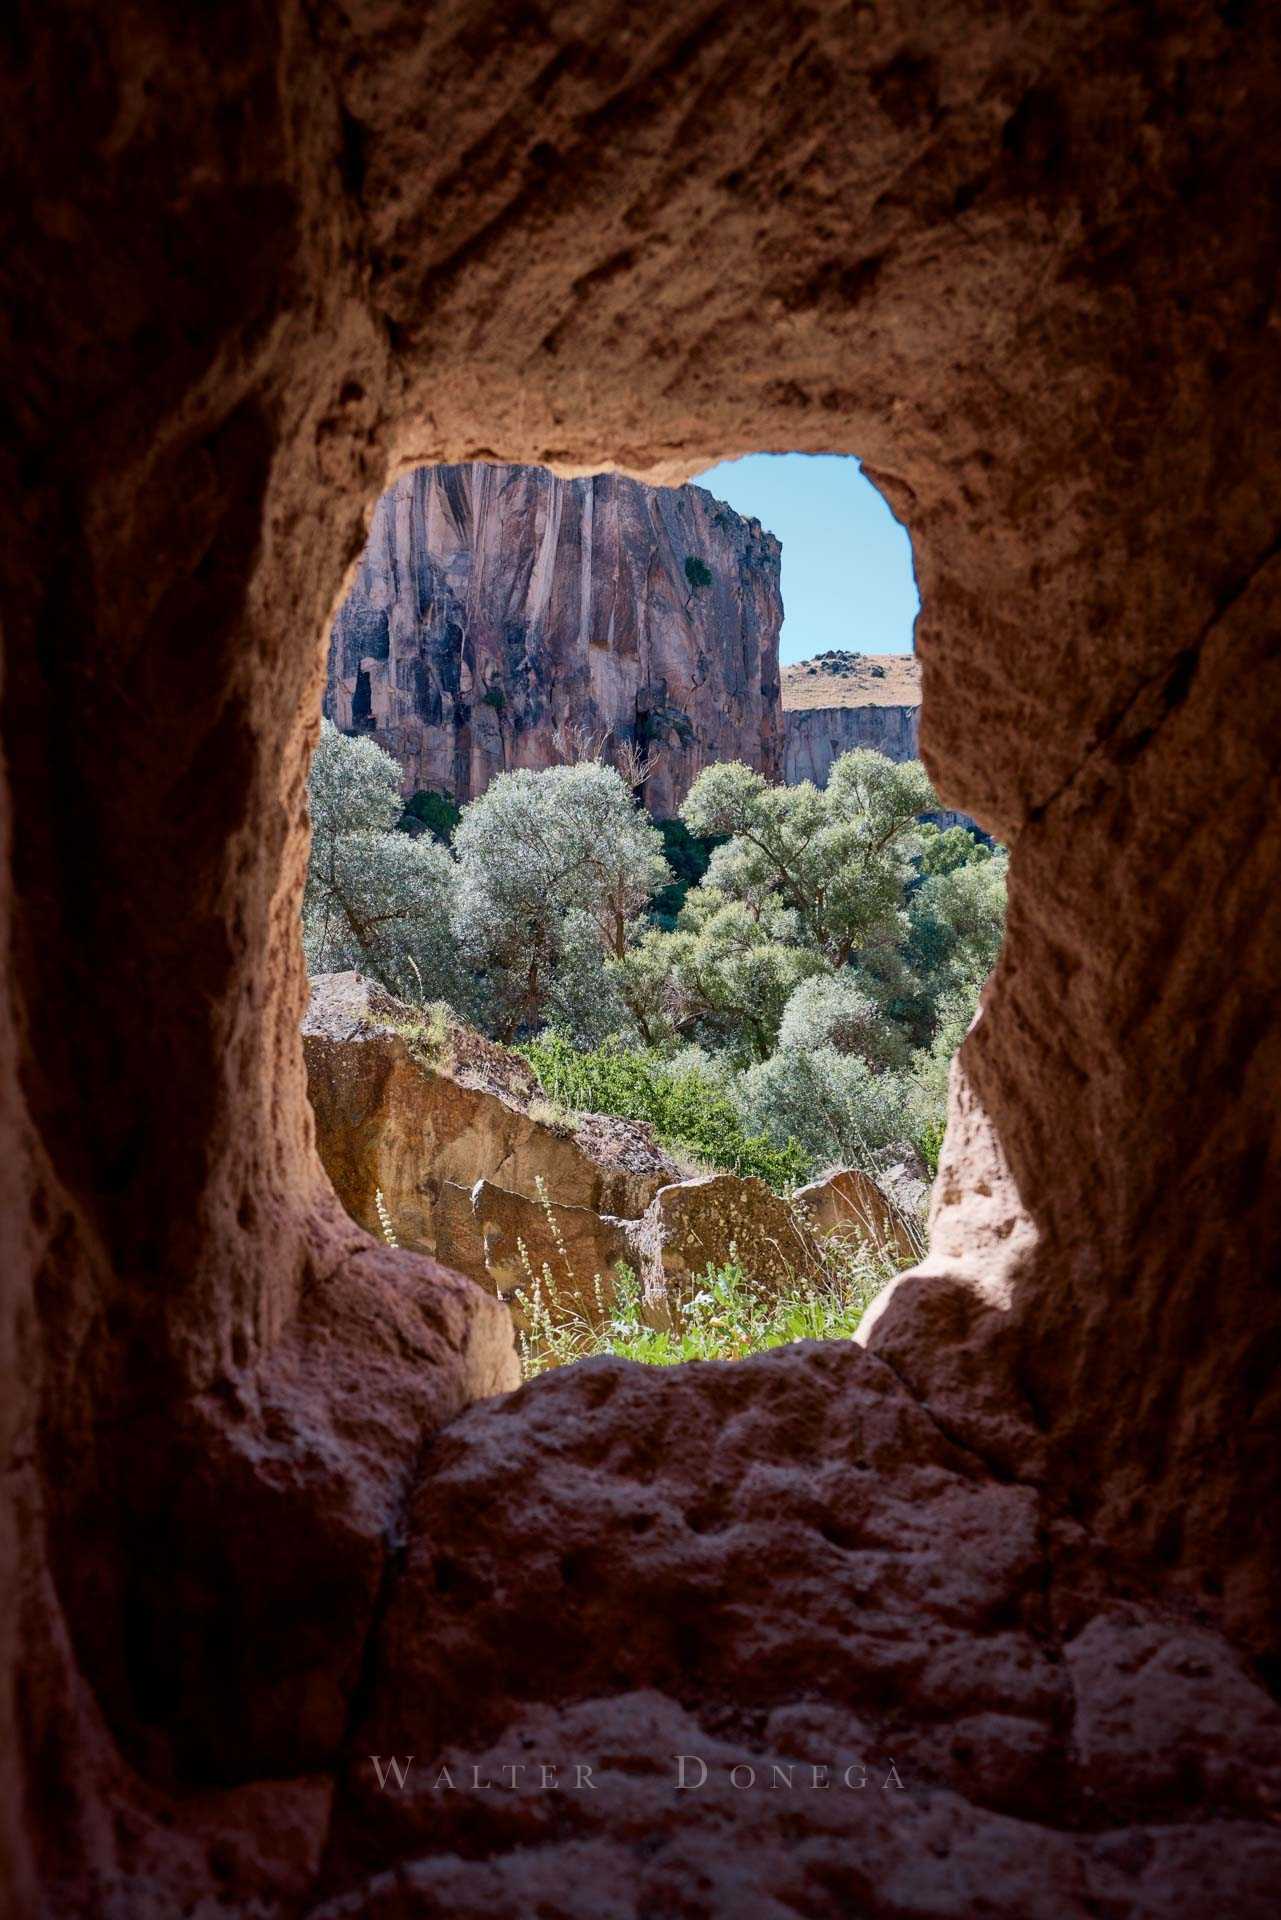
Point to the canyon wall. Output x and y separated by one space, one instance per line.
816 737
496 604
839 701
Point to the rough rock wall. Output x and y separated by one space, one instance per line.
813 737
259 263
495 604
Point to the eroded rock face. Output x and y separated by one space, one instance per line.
816 737
450 1130
400 1114
782 1563
719 1220
495 605
545 1261
1020 261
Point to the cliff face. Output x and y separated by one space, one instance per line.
814 737
844 700
495 604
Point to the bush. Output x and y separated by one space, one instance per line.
687 854
697 572
833 1105
835 1010
684 1108
437 812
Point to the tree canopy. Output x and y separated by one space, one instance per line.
814 980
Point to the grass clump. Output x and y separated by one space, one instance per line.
687 1113
722 1317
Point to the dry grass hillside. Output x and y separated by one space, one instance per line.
841 679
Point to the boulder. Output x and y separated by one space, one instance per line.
849 1205
902 1175
449 1128
512 1245
718 1220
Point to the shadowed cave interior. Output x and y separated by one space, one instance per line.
269 1508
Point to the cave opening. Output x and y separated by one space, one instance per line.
629 865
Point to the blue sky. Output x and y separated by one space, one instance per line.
847 563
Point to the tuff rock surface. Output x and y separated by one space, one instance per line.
259 264
782 1563
496 606
407 1113
451 1132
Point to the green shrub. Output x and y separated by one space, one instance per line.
495 697
697 572
929 1142
437 812
834 1104
683 1107
687 854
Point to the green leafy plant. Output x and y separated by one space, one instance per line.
685 1110
437 812
697 572
723 1316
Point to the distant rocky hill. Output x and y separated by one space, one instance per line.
495 605
840 700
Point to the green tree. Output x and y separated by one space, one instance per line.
803 883
840 859
833 1105
375 899
534 850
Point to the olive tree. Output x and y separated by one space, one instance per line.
834 1105
837 1011
722 979
805 883
375 899
839 859
540 855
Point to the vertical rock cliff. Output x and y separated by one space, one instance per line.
496 604
842 700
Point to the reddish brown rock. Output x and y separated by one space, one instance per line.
1021 261
780 1564
496 606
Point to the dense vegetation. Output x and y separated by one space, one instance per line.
435 811
786 993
